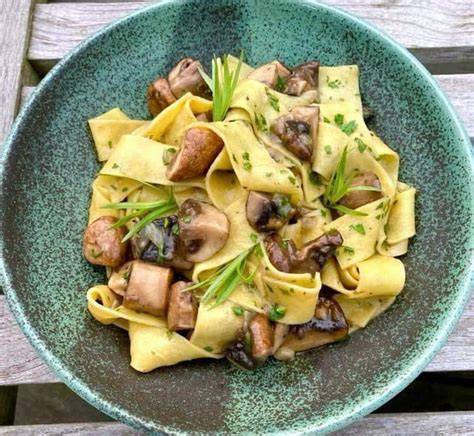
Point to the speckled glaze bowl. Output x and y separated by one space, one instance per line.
49 163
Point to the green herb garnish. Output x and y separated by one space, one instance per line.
276 313
292 180
359 228
340 185
254 237
167 155
220 285
209 349
349 128
273 100
94 253
349 250
333 83
238 311
361 146
339 119
328 149
146 211
247 166
280 84
222 85
326 120
261 122
314 178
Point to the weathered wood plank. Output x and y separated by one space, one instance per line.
375 424
15 20
57 28
19 363
458 87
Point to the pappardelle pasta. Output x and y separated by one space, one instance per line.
254 215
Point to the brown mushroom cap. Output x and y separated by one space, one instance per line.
266 212
355 199
185 77
102 244
261 333
268 74
327 325
298 130
198 150
303 78
203 229
309 259
182 308
159 96
148 288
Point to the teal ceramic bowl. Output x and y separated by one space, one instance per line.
49 163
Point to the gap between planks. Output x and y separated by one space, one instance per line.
424 27
374 424
457 87
19 363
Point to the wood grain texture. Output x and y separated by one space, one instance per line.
375 424
15 20
19 363
57 28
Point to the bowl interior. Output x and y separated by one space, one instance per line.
50 163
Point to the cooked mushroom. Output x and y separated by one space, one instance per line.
268 74
298 130
280 333
198 150
240 354
355 199
327 325
118 280
185 77
261 334
314 254
102 244
148 288
159 96
309 259
159 243
267 212
203 229
182 309
303 78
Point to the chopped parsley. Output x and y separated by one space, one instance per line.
125 189
359 228
209 349
328 149
94 253
261 122
187 219
273 100
109 144
268 174
238 311
245 155
280 84
349 128
253 237
361 146
314 178
247 166
258 250
276 313
333 83
339 119
349 250
380 206
324 213
115 165
326 120
292 180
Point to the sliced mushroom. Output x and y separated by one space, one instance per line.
309 259
261 334
240 354
148 288
355 199
185 77
159 96
102 245
182 309
159 243
314 254
198 150
266 212
298 130
303 78
280 333
268 74
327 325
203 229
118 280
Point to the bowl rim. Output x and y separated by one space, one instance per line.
369 403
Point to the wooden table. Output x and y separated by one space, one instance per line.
35 35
